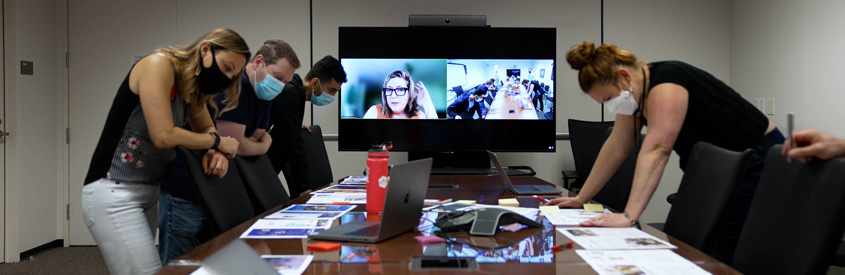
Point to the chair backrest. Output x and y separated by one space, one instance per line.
616 191
796 219
586 139
262 183
319 168
458 90
225 200
709 183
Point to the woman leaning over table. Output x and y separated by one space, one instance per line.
160 93
681 105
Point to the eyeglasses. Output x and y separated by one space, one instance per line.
396 91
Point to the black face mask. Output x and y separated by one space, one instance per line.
212 80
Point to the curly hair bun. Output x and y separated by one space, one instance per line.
581 54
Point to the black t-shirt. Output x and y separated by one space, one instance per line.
287 153
715 113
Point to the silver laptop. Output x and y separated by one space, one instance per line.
539 189
403 205
237 257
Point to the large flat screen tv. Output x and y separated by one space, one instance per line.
448 89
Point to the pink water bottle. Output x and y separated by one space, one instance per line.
377 176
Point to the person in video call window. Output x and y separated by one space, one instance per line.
681 105
402 98
468 104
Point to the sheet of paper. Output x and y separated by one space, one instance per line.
613 238
285 229
465 202
572 216
549 209
318 208
652 262
289 264
595 207
306 211
354 180
320 199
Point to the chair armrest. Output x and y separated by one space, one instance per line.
567 176
671 198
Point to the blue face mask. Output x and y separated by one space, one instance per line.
269 88
323 99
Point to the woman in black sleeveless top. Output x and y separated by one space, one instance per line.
161 92
681 105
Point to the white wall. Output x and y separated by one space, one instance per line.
39 107
791 51
696 32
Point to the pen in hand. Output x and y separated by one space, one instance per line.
789 128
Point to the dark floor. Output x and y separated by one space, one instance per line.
62 260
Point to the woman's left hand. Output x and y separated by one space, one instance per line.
609 220
215 163
422 93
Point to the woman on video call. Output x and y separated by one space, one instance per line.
401 99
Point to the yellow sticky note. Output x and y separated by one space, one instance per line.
465 202
593 207
549 209
509 202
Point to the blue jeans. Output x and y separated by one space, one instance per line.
179 220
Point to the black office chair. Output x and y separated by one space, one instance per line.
458 90
225 200
795 222
586 139
319 167
616 191
262 184
710 180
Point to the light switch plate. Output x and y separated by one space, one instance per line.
770 106
26 67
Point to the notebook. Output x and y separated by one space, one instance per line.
403 205
522 189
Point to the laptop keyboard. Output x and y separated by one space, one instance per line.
366 231
525 188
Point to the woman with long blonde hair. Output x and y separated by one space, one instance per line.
162 92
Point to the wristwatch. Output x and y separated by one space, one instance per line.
216 140
633 223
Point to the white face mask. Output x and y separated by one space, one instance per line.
624 104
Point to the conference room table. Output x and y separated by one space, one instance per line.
512 103
394 256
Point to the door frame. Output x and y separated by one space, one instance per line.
65 170
12 253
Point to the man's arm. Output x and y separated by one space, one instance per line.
257 144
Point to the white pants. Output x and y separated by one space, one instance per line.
122 218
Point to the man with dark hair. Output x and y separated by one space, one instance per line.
468 104
287 153
180 214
